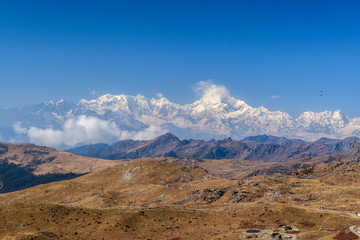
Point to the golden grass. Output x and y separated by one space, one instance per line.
157 200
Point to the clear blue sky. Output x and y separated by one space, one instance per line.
257 49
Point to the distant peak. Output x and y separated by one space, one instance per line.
324 139
105 98
258 138
229 139
265 139
167 136
55 102
340 115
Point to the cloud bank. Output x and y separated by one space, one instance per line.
84 130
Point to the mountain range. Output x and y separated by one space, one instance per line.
254 148
214 115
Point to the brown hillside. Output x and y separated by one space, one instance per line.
239 168
44 160
158 200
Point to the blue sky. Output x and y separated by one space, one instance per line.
257 49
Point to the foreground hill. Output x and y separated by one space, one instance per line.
158 200
24 165
42 160
262 147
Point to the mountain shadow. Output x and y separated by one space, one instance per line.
14 178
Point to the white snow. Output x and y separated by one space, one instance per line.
218 114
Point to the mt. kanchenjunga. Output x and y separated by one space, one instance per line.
212 116
218 116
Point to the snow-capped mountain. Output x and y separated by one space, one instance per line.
219 117
207 117
215 115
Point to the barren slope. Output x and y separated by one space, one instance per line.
42 160
158 200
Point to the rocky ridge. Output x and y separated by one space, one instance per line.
263 147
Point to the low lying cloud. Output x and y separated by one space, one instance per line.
211 92
84 130
275 96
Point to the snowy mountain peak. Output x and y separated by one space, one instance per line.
323 118
52 103
215 114
340 116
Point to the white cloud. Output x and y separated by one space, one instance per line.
211 92
275 96
84 130
19 129
159 95
93 92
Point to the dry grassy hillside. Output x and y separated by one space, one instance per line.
42 160
158 200
239 168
